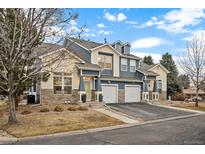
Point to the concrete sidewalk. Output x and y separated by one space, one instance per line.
115 115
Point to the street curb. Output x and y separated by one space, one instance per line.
85 131
177 108
7 140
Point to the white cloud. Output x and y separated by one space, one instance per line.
149 42
73 22
177 21
101 25
88 35
131 22
103 32
156 57
110 17
121 17
197 33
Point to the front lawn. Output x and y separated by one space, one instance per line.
38 123
190 105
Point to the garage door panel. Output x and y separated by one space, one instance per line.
132 93
109 93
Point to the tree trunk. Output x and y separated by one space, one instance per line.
11 100
197 95
17 101
12 112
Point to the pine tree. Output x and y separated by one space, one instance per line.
148 60
184 81
172 81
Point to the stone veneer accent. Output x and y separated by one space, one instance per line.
93 97
47 96
163 95
121 95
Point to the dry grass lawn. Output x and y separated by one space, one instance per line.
52 122
190 105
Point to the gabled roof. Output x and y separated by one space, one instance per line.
88 66
131 56
46 48
106 44
144 68
155 65
91 46
85 43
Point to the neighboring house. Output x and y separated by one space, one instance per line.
191 93
100 68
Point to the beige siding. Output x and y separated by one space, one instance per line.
67 66
116 58
163 76
150 84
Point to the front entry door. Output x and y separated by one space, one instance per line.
87 89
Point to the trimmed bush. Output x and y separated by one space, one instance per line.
83 108
59 108
44 109
179 97
25 112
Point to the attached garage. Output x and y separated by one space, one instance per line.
110 93
132 93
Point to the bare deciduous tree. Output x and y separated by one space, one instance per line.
21 31
193 63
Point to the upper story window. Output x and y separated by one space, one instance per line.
62 83
105 61
132 65
159 86
124 64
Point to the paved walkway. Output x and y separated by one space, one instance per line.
115 115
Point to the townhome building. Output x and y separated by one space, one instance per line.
94 69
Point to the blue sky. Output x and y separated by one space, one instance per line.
150 31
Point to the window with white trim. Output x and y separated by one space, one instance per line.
105 61
124 64
159 86
62 83
132 65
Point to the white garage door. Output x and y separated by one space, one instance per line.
109 93
132 93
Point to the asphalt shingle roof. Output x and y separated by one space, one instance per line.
45 48
129 79
86 43
88 65
145 69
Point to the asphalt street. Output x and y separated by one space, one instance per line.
182 131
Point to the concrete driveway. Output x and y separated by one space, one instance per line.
146 111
